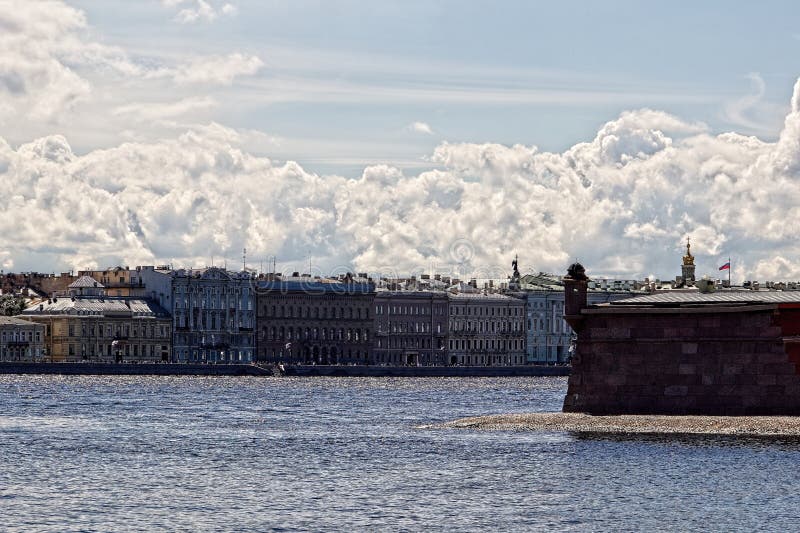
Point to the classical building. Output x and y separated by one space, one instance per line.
486 329
410 328
21 340
87 325
213 312
306 320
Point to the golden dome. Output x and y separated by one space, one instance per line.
688 259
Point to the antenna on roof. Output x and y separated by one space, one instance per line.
244 259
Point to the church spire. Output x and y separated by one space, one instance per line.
687 268
688 259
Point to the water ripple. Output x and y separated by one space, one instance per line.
331 454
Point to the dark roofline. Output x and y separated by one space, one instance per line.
315 287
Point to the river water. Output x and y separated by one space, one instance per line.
333 454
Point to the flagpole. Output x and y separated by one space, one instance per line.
729 272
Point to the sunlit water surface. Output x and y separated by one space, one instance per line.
327 454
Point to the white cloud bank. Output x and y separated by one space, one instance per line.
622 204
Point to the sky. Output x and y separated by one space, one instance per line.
400 138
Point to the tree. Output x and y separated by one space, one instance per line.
11 305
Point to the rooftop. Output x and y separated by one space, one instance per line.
13 321
95 306
314 286
482 296
697 298
85 281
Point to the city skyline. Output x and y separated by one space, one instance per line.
181 130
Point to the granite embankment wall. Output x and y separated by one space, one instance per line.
122 369
251 370
719 360
428 371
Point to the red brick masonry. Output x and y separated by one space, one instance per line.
711 360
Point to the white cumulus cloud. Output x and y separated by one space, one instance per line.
622 203
420 127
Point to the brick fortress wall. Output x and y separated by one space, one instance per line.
736 360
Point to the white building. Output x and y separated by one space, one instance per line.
549 335
21 340
213 312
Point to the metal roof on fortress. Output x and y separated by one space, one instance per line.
687 298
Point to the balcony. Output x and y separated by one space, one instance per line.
18 343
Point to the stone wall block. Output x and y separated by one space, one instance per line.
787 379
779 368
616 379
737 358
676 390
766 379
689 347
731 369
709 322
772 331
766 358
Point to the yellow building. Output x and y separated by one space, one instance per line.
117 281
88 326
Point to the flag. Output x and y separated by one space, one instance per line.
726 266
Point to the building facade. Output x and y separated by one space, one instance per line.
118 281
486 330
308 321
87 328
410 328
213 312
21 340
549 336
